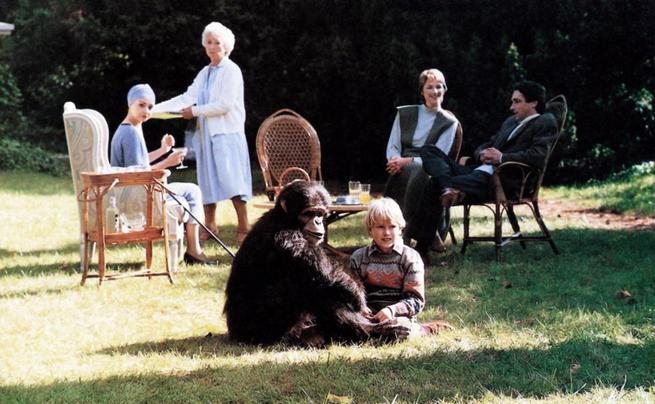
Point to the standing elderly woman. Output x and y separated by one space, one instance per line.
413 127
215 98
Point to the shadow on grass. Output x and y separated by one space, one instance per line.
569 368
33 253
40 292
210 345
64 266
35 270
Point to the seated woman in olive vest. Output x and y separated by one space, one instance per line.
415 126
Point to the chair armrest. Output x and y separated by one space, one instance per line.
272 192
293 173
513 169
465 160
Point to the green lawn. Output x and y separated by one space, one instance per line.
536 327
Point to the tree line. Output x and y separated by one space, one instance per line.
345 65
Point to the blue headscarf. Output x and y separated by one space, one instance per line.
139 91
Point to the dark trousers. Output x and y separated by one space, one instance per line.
445 173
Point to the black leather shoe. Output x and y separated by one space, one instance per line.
438 245
451 196
191 260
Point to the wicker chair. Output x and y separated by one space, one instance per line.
288 149
528 194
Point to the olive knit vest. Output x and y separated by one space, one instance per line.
409 119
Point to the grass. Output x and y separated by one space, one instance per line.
535 327
630 191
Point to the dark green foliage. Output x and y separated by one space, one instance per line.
16 154
346 65
12 121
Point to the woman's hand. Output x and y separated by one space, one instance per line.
174 158
187 113
396 164
167 142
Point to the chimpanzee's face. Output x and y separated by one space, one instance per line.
311 220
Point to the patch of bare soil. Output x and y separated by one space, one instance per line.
563 208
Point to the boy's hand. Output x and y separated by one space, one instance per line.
167 142
383 315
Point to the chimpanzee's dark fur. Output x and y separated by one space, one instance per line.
283 288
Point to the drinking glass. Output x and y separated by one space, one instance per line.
132 221
354 187
365 194
184 151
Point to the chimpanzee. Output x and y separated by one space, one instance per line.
284 288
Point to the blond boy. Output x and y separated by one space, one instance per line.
392 272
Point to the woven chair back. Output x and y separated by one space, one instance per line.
288 148
558 107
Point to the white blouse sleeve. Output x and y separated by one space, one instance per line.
393 145
227 89
189 98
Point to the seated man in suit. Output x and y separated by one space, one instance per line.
524 137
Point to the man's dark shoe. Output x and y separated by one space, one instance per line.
439 245
451 196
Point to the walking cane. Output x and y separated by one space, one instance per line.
215 237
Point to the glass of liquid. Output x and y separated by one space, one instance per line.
184 151
365 194
354 188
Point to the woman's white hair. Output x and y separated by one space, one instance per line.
221 32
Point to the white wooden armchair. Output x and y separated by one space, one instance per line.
87 137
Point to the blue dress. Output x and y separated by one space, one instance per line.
223 163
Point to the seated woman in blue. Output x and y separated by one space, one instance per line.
128 148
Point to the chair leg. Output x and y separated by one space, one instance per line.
498 232
173 257
465 222
452 235
544 229
515 224
148 245
84 255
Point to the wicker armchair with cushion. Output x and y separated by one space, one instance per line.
530 179
87 137
288 148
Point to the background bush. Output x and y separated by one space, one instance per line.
346 64
16 154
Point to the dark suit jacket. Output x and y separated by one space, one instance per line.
530 145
